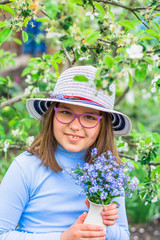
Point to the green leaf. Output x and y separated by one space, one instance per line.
130 80
67 43
147 139
80 78
146 38
92 37
8 9
108 61
24 36
80 2
2 135
17 40
26 71
151 32
157 26
109 11
126 23
3 24
3 81
156 137
148 60
141 72
141 127
118 58
4 35
26 20
2 62
120 50
136 22
100 8
43 19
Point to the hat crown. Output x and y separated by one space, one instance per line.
67 86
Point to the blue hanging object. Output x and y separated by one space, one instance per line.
33 47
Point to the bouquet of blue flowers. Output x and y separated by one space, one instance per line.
104 179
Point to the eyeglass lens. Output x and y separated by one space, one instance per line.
86 120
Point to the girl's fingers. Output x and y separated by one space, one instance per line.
90 227
93 234
109 222
87 202
110 212
110 207
111 217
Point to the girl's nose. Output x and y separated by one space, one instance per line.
75 125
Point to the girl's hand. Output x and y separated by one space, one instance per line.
109 213
80 231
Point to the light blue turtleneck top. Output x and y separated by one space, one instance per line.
39 204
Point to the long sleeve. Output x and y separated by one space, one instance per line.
37 203
14 235
119 231
13 203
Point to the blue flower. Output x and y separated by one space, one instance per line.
94 152
104 179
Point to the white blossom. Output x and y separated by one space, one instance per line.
130 97
92 15
135 51
30 89
15 132
45 80
153 90
36 90
29 140
53 35
28 79
136 158
6 145
112 27
156 78
123 148
84 57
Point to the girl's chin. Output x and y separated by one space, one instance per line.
73 148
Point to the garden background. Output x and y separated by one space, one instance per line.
39 39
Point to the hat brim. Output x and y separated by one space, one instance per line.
120 122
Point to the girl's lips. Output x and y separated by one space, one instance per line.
73 138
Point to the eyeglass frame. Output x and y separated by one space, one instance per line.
76 115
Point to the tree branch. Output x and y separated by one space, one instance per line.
70 60
127 7
18 99
140 19
122 96
139 160
105 41
42 11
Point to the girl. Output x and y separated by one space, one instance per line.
39 201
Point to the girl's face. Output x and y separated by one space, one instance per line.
72 136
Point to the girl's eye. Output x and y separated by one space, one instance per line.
90 117
65 112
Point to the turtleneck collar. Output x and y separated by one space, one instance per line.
67 159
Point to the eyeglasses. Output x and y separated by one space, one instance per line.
86 120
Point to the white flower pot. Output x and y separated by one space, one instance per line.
94 215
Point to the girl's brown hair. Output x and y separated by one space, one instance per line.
45 144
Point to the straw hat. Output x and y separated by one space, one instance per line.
70 91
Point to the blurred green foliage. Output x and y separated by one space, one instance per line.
121 39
